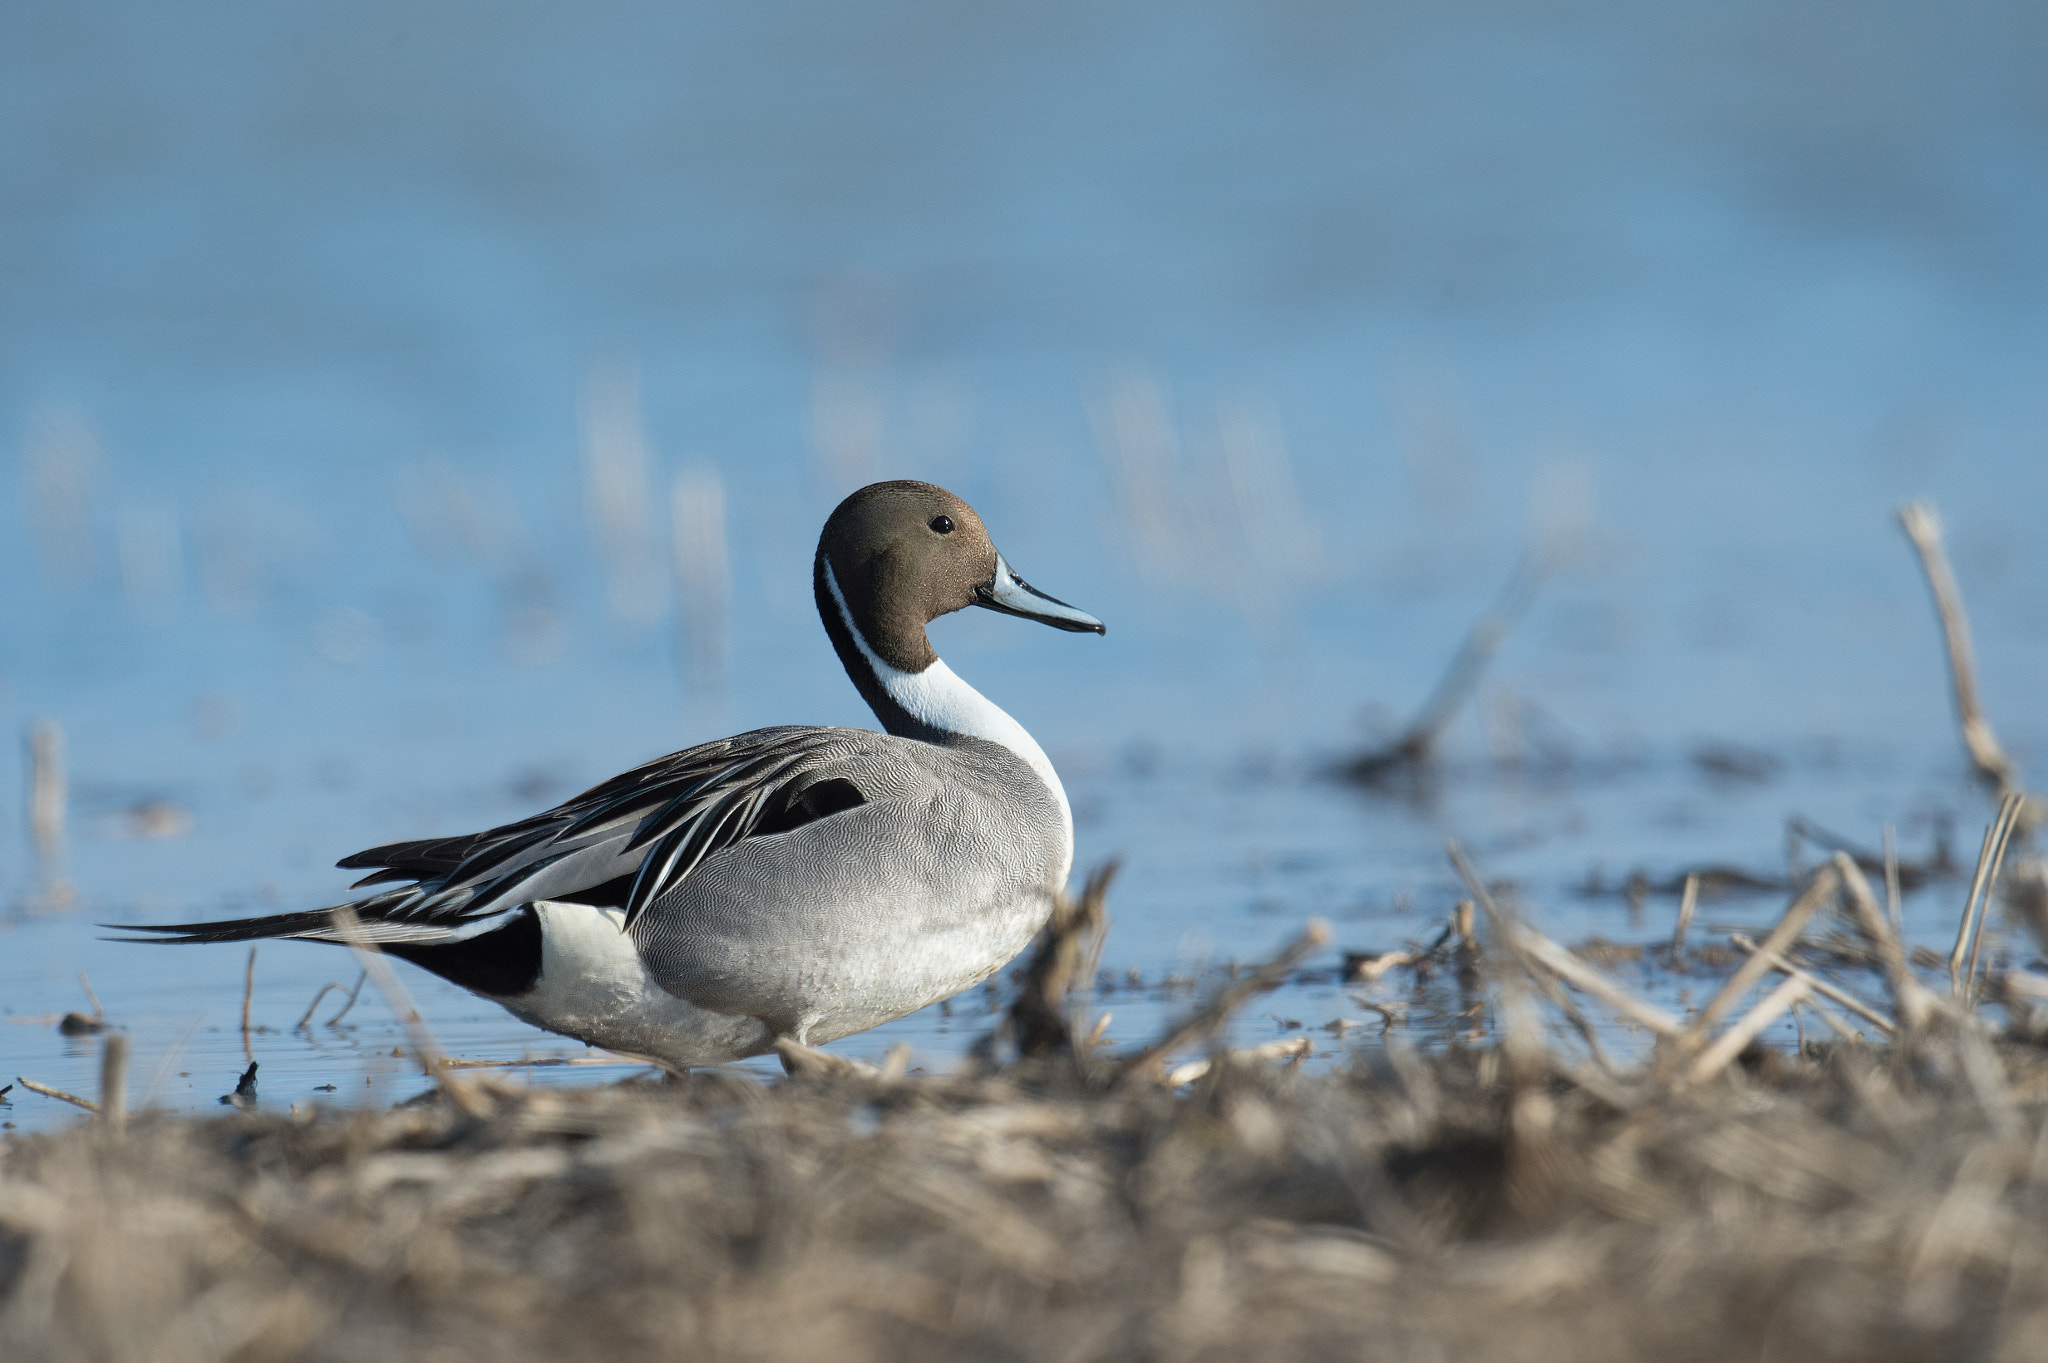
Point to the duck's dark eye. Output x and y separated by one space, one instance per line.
943 524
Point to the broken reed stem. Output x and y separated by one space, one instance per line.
307 1016
2008 816
59 1094
350 929
1894 901
1212 1015
114 1082
92 998
1294 1048
1922 525
1955 957
353 995
545 1062
1911 1000
1819 986
1730 1043
1586 979
808 1062
1574 1018
248 996
1835 1024
1825 884
1530 945
1988 858
1370 971
1466 667
1040 1019
1687 902
1461 929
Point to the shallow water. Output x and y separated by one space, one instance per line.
351 358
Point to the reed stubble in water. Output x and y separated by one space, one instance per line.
1849 1201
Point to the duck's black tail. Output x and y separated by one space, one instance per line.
315 925
500 958
378 918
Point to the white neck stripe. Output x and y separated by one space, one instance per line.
939 699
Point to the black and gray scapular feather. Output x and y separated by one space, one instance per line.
623 843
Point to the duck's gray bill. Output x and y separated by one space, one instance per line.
1012 595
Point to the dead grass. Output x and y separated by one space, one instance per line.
1506 1202
1851 1204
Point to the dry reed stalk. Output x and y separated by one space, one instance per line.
1894 901
1922 525
895 1062
1461 930
361 977
1731 1043
1536 961
1466 668
1912 1003
90 997
1069 951
1370 969
307 1016
1294 1048
1842 1030
809 1062
59 1094
1687 903
544 1062
1204 1021
1586 979
2008 818
1461 1203
1825 884
114 1082
1969 918
1819 986
426 1051
1533 947
248 997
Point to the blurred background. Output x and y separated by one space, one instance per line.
416 413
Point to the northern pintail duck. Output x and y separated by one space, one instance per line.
795 882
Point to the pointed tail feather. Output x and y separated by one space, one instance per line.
312 924
317 925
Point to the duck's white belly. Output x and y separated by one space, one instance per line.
594 987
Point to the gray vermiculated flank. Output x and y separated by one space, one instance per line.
873 912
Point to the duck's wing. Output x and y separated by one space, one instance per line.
621 843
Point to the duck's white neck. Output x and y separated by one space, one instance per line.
937 698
